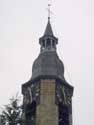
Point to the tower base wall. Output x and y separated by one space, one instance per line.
47 110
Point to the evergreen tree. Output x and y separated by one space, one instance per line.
11 114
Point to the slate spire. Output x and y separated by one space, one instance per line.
48 41
48 30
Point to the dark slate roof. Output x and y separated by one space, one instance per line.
48 30
48 64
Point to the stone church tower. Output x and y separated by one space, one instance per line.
47 96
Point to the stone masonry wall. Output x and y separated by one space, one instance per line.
47 110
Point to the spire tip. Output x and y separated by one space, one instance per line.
49 12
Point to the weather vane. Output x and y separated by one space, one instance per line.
49 11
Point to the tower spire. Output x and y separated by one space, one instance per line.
48 41
48 30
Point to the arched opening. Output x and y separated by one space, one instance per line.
43 43
48 44
31 113
53 43
63 114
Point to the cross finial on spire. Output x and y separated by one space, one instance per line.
49 11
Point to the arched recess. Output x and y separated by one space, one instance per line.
31 113
63 114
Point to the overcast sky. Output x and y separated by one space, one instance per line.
22 22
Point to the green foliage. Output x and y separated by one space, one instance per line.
11 114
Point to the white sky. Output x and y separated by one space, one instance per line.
22 22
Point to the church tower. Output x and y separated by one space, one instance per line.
47 96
